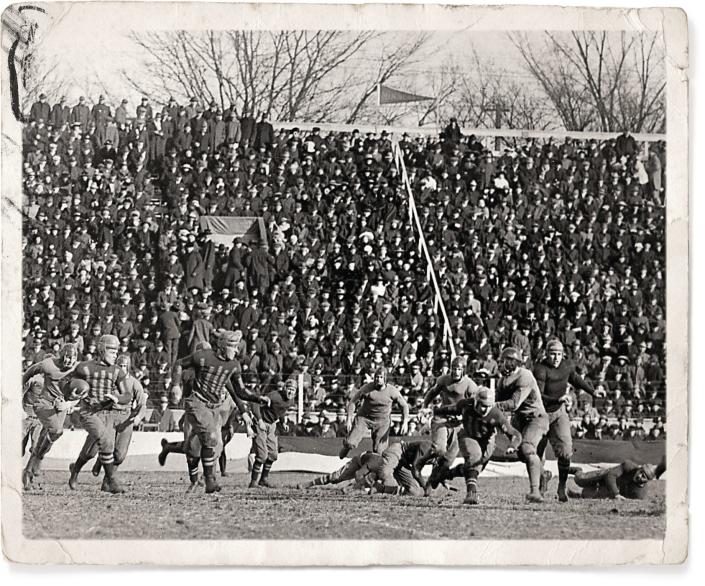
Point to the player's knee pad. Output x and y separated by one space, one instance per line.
210 440
272 457
119 458
526 451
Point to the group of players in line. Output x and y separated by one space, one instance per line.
110 402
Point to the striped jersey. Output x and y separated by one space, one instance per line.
101 378
54 378
211 374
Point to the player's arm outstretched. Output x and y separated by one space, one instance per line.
432 393
454 410
511 432
579 382
236 388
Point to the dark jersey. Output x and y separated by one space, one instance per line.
102 379
277 409
621 478
415 455
482 428
211 374
553 383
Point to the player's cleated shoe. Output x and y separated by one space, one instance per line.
574 494
27 478
73 479
212 485
534 496
546 477
163 454
96 468
112 485
303 485
265 483
253 483
562 495
471 498
192 487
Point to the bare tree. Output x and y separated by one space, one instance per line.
292 75
600 80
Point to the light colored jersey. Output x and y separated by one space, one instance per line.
519 393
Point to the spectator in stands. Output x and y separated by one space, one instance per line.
163 416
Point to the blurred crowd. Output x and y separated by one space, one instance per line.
544 239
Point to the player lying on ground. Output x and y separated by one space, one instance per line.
217 374
481 419
553 375
50 406
102 408
126 417
452 388
359 468
625 481
518 393
265 443
375 414
402 463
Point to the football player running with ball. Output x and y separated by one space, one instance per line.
481 421
50 406
452 388
518 393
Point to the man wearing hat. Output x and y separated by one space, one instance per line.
481 420
40 111
216 372
375 413
627 480
553 375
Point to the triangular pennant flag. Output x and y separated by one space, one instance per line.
387 95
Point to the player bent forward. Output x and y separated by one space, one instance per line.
481 420
375 414
265 443
126 416
363 469
625 481
402 463
452 388
49 405
518 393
216 372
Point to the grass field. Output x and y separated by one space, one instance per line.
156 506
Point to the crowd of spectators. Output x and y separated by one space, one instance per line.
546 239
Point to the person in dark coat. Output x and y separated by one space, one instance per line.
195 268
41 111
264 133
80 114
247 129
60 113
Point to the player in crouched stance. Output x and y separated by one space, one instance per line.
625 481
50 406
518 393
402 463
375 414
363 469
481 421
127 415
265 443
216 373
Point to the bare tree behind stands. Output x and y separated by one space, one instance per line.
603 81
291 75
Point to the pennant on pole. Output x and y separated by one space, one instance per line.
387 95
